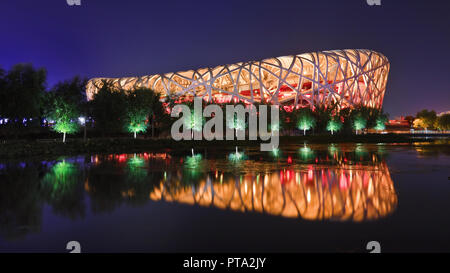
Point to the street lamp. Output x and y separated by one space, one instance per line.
82 121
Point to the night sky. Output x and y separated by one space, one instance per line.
117 38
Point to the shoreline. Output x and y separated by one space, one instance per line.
18 149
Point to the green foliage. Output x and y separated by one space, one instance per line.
305 119
144 109
334 125
137 173
322 114
306 153
65 115
136 121
237 157
428 118
64 104
62 188
380 123
237 123
359 122
194 122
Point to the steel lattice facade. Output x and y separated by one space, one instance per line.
346 77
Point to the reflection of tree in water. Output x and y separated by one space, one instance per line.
193 170
20 204
439 147
140 182
306 153
112 183
343 182
62 188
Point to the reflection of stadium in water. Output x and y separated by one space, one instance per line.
339 193
344 190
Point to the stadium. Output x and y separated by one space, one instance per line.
347 78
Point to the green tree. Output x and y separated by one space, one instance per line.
136 121
139 105
305 120
144 109
65 103
65 115
359 122
428 118
334 125
380 123
322 114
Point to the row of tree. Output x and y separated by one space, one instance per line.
322 119
112 110
429 120
22 90
25 101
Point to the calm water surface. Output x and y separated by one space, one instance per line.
301 198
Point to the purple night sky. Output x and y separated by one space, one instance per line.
116 38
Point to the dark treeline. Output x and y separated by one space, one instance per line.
28 108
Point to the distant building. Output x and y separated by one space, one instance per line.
399 122
399 125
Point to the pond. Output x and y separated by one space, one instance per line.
300 198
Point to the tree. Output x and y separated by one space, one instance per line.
305 120
359 122
21 92
334 125
428 118
322 114
194 123
443 122
65 103
140 104
380 122
158 114
418 123
136 121
65 115
108 108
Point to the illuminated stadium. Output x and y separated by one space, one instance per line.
345 77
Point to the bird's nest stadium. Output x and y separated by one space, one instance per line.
346 78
